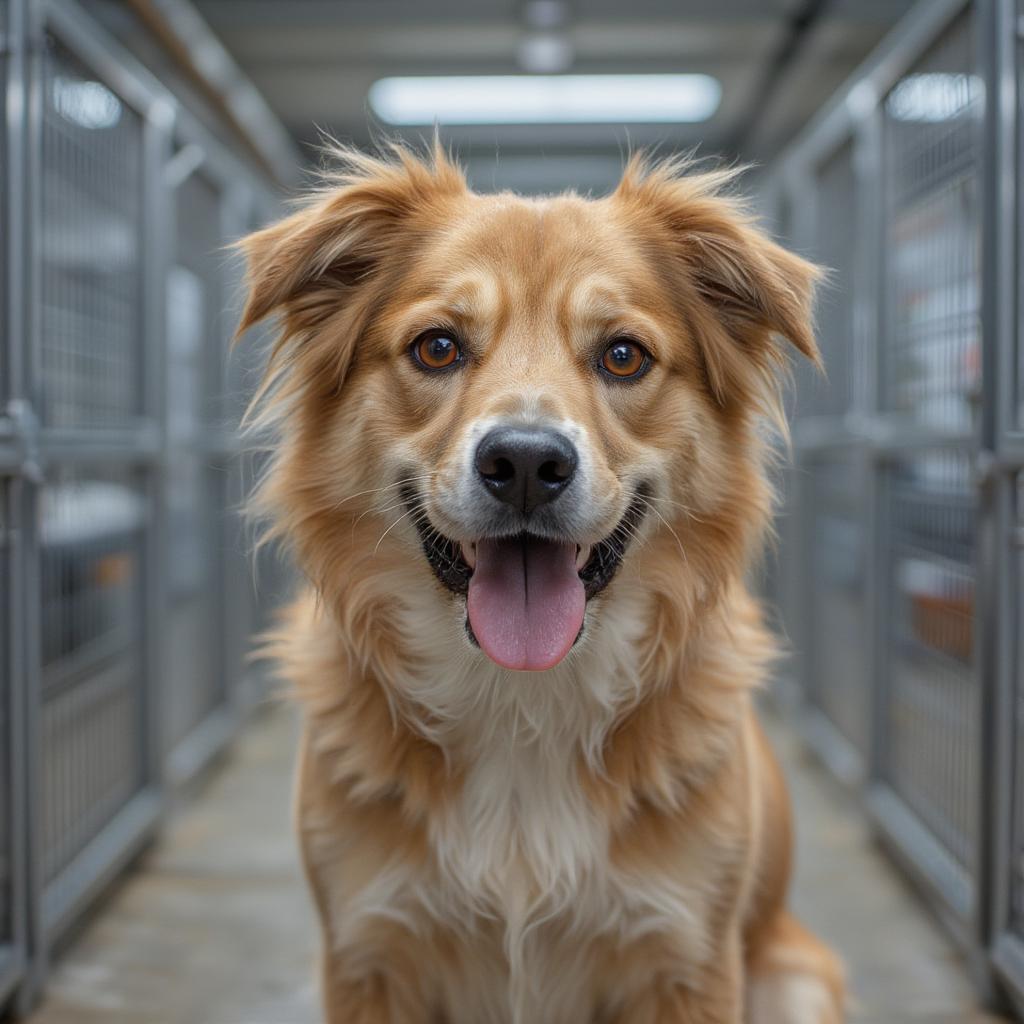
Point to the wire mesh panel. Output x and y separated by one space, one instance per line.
931 357
90 249
91 529
839 676
195 490
931 690
836 226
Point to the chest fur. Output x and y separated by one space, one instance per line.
525 855
521 838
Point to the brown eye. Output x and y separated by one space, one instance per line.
436 350
624 358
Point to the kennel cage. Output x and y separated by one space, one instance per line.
899 581
120 473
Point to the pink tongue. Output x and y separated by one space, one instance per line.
526 601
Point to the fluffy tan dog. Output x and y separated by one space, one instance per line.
522 464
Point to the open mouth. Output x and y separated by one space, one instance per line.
525 595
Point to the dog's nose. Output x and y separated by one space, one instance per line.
525 467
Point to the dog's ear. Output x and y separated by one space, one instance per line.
749 291
299 265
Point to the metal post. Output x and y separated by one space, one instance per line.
157 257
17 752
28 510
998 558
867 328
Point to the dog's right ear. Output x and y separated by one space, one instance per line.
299 265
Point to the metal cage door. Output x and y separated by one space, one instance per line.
927 754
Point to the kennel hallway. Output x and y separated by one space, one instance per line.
147 870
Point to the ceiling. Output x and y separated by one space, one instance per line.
778 61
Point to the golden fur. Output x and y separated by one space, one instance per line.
609 840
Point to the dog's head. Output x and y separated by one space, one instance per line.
527 397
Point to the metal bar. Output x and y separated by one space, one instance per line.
157 262
12 967
868 326
832 748
15 738
1008 962
1002 566
27 496
994 651
98 444
886 443
99 863
867 162
925 860
200 748
12 642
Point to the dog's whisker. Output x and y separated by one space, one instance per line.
668 527
410 511
377 511
677 504
386 487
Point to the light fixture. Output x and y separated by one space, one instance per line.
86 103
545 99
932 97
545 14
545 53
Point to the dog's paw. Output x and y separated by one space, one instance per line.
793 998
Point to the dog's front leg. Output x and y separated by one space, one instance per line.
374 998
373 967
714 997
350 1001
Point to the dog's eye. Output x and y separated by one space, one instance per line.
624 358
436 350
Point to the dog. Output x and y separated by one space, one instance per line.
522 461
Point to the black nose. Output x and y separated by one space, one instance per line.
525 467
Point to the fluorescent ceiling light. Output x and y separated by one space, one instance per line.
545 99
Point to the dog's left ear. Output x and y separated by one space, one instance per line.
741 291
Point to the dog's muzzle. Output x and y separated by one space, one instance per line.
526 592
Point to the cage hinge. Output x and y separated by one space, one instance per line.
22 425
984 468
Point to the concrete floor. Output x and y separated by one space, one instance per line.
215 926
